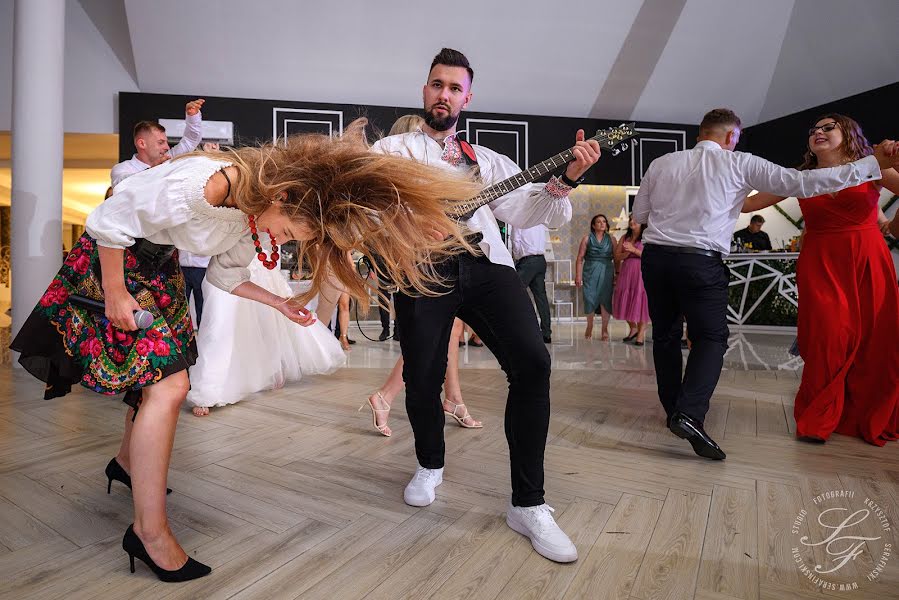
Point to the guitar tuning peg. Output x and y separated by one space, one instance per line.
615 151
624 146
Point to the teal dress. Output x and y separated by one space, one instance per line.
598 274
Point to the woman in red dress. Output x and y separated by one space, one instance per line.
848 299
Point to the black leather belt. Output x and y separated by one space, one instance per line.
683 250
150 254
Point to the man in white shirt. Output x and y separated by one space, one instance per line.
485 292
528 250
152 145
690 201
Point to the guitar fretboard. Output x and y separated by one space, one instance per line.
511 184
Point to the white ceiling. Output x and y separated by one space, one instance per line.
647 60
658 60
765 58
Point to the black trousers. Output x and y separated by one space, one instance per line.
695 286
384 313
193 284
493 301
532 271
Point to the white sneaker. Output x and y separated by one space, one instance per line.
420 491
538 524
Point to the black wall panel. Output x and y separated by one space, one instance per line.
527 139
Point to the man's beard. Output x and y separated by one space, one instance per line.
440 124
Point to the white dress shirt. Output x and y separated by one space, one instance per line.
528 242
693 197
166 205
530 205
193 134
189 259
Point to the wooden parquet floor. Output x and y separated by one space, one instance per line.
291 494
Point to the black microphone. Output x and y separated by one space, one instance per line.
142 318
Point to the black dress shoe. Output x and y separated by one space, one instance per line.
135 548
476 344
396 335
115 471
688 428
385 335
350 342
811 439
630 337
547 339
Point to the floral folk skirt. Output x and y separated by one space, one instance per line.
62 344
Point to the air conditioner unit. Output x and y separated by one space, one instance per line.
221 132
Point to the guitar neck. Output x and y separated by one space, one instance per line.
606 138
511 184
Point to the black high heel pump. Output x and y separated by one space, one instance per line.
115 471
135 548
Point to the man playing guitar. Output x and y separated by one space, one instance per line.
485 292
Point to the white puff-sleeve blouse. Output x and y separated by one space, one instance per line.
165 205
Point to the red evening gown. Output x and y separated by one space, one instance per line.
848 321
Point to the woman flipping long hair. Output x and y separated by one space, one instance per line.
333 196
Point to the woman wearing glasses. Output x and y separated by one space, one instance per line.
849 301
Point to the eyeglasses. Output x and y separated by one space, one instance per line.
824 128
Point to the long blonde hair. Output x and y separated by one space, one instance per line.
354 199
406 124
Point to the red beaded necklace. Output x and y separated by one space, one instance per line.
271 261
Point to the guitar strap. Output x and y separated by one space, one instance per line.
471 159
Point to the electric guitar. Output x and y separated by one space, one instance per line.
613 139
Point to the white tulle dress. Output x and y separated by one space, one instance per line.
246 347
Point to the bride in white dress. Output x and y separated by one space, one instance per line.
246 347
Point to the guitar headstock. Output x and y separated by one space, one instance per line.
615 138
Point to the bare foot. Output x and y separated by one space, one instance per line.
588 334
344 343
605 336
163 549
200 411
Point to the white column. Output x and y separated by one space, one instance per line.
37 153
